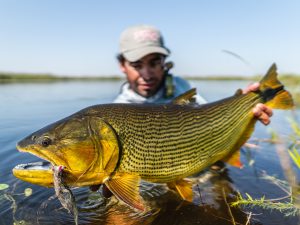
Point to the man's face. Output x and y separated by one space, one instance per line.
145 76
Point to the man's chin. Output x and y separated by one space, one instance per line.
146 93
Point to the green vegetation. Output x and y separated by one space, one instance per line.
288 79
7 193
3 186
287 208
295 156
24 77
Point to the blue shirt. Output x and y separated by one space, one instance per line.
127 95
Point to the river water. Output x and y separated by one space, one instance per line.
26 107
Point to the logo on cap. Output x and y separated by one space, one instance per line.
146 35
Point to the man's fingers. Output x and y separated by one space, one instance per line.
263 108
251 87
257 112
264 118
268 110
263 113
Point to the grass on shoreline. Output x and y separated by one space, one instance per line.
26 77
29 77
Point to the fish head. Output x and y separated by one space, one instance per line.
85 146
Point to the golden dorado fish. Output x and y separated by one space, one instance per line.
120 144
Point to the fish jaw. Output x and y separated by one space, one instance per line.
41 173
26 145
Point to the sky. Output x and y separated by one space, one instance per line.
81 37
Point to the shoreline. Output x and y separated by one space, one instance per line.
27 77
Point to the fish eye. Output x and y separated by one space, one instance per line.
46 142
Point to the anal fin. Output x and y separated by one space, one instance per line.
183 187
234 160
126 188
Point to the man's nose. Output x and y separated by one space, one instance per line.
146 73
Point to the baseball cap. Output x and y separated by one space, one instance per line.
139 41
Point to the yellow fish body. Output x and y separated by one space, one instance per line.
119 144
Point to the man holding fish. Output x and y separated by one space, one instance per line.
118 145
142 59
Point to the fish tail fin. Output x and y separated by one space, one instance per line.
283 100
273 91
270 80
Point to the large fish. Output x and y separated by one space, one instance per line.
119 144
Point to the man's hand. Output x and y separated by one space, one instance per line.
261 111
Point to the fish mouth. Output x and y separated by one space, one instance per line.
42 174
39 173
34 166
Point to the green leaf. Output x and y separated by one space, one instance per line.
294 126
3 186
28 192
249 197
295 156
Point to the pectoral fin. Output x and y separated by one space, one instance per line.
126 188
183 187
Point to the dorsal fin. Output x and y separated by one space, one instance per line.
238 92
185 98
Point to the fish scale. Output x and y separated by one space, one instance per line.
175 141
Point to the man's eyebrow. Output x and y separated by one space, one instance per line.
135 62
158 57
155 58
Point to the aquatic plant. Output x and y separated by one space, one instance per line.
286 204
9 195
287 207
3 186
295 146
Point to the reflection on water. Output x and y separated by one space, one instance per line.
28 107
209 205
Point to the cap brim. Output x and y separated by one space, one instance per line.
135 55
